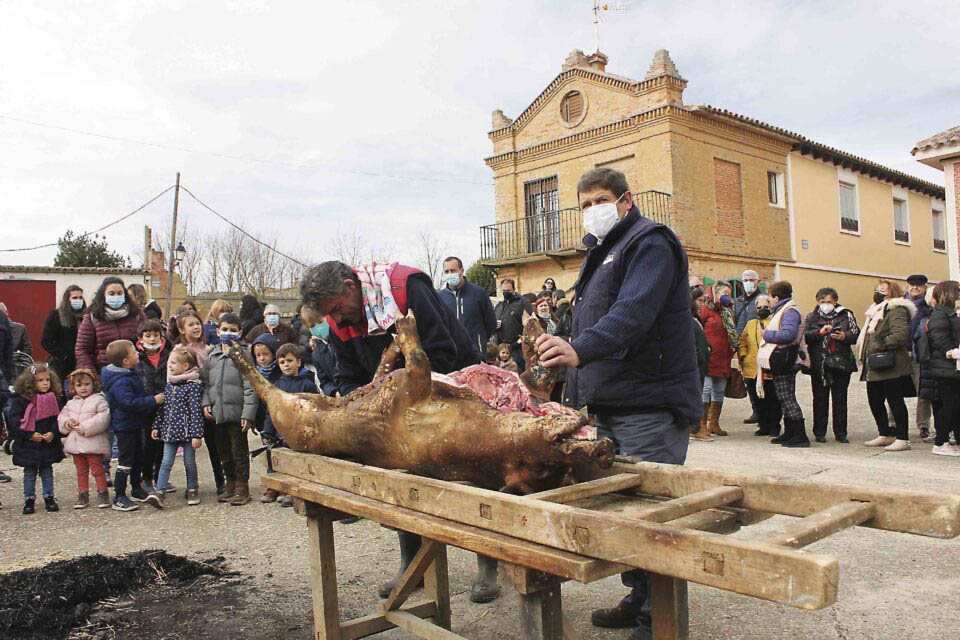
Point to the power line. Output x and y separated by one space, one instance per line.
239 228
226 156
106 226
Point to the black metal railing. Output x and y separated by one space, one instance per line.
940 244
901 236
849 224
553 231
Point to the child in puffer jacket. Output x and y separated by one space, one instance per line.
84 421
179 423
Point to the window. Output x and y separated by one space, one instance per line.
849 219
901 221
541 204
939 232
775 188
572 107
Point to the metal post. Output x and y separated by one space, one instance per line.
172 256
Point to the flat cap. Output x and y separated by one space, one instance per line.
917 279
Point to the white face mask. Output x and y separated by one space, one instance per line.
600 218
749 286
826 308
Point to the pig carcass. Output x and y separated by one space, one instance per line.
438 426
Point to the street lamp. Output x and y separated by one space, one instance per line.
180 253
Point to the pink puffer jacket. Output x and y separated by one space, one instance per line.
93 414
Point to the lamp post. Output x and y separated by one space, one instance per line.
174 252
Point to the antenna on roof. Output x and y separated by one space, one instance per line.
614 5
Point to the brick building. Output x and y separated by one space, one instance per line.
740 193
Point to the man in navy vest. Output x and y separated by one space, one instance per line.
332 289
631 358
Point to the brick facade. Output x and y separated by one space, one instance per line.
729 197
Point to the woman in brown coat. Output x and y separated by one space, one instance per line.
886 332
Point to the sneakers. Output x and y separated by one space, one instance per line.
929 437
109 481
286 501
50 504
270 495
83 500
103 499
123 503
138 494
879 441
170 488
192 496
946 449
925 433
898 445
155 499
28 507
4 477
618 617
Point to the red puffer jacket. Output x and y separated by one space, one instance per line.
718 366
93 336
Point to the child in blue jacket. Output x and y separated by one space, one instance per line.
130 408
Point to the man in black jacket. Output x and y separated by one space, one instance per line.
632 359
509 313
470 305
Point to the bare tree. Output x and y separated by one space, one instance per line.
430 253
349 247
193 263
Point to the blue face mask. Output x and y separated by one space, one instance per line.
725 300
76 305
267 369
272 320
321 330
226 337
115 302
452 279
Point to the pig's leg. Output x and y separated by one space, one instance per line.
416 387
388 361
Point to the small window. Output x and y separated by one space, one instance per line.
939 232
572 107
849 218
901 223
775 188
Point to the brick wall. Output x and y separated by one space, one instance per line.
956 196
729 197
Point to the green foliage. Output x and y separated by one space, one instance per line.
482 277
88 251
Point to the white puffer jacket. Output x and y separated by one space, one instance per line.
93 414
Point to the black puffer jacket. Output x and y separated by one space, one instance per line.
841 320
943 333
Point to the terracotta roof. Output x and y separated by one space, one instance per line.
818 150
33 268
942 139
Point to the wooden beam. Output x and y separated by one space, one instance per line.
541 614
581 490
807 581
436 586
420 627
323 577
669 608
376 623
411 577
923 513
685 505
819 525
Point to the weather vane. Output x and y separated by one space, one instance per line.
598 7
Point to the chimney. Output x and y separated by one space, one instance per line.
598 61
670 85
499 120
575 59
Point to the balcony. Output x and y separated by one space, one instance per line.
850 224
939 245
554 233
901 236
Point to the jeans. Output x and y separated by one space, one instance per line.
234 451
891 392
170 456
821 404
30 473
129 460
713 388
654 436
152 456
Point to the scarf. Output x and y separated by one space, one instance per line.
115 314
874 316
43 406
378 303
186 376
267 370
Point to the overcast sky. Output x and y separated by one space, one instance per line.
278 114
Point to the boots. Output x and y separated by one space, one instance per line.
702 433
242 495
753 419
713 420
485 587
787 433
409 546
228 491
798 435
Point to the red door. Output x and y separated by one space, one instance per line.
29 302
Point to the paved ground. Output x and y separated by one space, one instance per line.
892 585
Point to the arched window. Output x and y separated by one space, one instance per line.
572 107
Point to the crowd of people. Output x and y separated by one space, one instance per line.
759 341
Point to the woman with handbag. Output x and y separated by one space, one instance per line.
768 407
886 364
716 314
782 354
830 330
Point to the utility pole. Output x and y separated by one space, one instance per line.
172 256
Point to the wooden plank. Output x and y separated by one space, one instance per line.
923 513
669 608
685 505
420 627
819 525
807 581
323 577
376 623
411 577
541 614
437 588
589 489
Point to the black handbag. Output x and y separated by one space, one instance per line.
783 359
838 362
882 360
